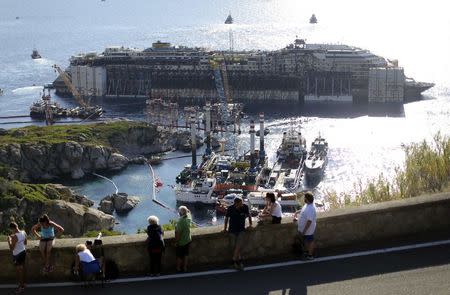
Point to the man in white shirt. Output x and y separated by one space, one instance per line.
307 224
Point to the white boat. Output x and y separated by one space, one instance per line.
258 198
198 191
317 160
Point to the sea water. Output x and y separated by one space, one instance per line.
362 143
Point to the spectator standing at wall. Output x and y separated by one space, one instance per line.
183 238
17 244
235 216
155 245
307 224
46 235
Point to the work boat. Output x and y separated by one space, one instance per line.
286 199
286 173
198 191
316 161
197 185
35 54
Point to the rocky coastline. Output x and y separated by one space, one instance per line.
47 154
25 203
32 154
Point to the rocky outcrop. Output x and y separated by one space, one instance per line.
182 141
59 191
141 140
76 218
74 155
121 203
51 161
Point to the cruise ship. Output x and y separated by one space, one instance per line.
299 72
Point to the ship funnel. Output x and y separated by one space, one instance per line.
193 143
208 128
252 137
252 143
261 137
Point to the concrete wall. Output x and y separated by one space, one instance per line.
211 248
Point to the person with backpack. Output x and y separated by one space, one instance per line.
155 245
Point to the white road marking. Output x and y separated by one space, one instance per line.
250 268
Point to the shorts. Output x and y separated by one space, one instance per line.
182 251
19 259
237 239
45 243
276 220
308 238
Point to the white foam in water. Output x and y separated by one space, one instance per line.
44 61
27 90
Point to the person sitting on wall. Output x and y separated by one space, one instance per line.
155 245
97 250
307 224
85 262
47 239
272 211
183 238
17 244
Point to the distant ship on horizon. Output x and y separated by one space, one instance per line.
229 19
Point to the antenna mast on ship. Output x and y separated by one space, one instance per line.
229 21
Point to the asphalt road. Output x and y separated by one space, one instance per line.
417 271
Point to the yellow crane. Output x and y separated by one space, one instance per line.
69 85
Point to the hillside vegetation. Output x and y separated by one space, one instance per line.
426 170
95 134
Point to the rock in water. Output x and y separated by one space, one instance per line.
106 207
128 206
120 202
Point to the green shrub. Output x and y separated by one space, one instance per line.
426 170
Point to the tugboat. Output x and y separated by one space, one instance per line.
35 54
317 160
313 19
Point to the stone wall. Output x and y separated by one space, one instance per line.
211 247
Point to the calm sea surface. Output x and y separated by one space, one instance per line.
362 143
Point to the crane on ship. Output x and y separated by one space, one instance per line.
68 82
89 110
226 101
